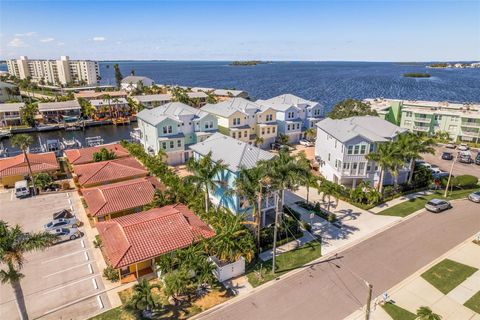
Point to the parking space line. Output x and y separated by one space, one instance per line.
82 243
95 285
100 302
90 268
97 294
11 195
61 257
67 269
86 255
69 284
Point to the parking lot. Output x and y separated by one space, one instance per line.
62 282
459 168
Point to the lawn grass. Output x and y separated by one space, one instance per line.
408 207
474 302
447 275
260 272
398 313
114 314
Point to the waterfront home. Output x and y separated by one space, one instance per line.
56 112
114 105
118 199
15 169
222 94
9 92
96 95
10 114
235 155
460 120
105 172
150 101
294 114
132 243
131 83
341 147
245 120
172 127
85 155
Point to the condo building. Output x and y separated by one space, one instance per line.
55 72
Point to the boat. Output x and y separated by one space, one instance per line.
5 133
94 141
71 143
72 128
121 121
44 127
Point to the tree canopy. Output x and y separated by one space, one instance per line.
351 108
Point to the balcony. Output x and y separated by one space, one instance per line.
423 120
470 133
470 124
421 128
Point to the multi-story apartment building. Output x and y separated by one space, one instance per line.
9 92
56 72
172 127
294 114
460 121
342 145
245 120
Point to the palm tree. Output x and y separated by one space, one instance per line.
116 101
143 298
308 179
14 243
310 133
387 158
206 174
258 141
283 139
425 313
328 189
107 98
412 145
23 142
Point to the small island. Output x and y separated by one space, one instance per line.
416 75
247 63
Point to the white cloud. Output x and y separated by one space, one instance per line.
26 34
17 42
47 40
99 39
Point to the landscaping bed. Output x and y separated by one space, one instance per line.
410 206
448 274
474 302
259 272
398 313
316 209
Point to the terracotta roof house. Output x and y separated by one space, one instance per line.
118 199
85 155
104 172
14 169
131 243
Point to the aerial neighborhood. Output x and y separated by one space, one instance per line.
213 193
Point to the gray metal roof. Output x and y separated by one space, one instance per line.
104 102
230 106
11 107
153 97
62 105
285 101
228 92
172 110
135 79
234 153
370 127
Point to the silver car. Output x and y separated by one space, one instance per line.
62 223
474 196
437 205
64 234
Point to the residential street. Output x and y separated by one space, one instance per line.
334 289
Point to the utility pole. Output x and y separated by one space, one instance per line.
259 215
450 176
369 300
274 251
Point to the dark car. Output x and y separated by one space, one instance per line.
63 214
477 159
447 156
465 158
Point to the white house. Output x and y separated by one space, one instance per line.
131 83
342 145
172 127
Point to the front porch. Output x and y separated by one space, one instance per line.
135 276
136 271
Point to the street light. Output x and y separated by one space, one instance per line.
450 176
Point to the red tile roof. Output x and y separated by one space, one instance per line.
85 155
39 162
109 171
142 236
118 196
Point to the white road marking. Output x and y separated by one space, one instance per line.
11 196
90 268
69 284
70 201
61 257
82 243
100 303
95 285
67 269
86 255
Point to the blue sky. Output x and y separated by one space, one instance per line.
228 30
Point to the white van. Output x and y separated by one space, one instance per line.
22 189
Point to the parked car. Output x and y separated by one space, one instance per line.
474 196
447 156
450 145
63 214
21 189
306 143
465 158
278 146
437 205
440 175
434 169
65 234
425 164
62 223
477 159
463 147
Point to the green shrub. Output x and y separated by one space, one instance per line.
97 243
465 181
111 274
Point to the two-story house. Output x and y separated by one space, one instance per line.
342 145
10 114
245 120
172 127
55 112
235 155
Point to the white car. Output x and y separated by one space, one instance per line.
474 196
306 143
463 147
450 146
62 223
64 234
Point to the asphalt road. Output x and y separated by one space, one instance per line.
445 165
334 289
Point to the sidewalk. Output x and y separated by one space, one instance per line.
398 200
414 292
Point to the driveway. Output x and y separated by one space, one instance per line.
334 288
62 282
458 168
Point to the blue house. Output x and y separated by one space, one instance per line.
235 154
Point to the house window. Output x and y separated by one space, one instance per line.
268 130
263 131
167 129
164 145
438 117
288 127
298 126
372 147
233 135
208 124
236 121
290 115
363 149
350 150
269 117
245 134
408 114
356 149
172 145
179 143
329 157
273 130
